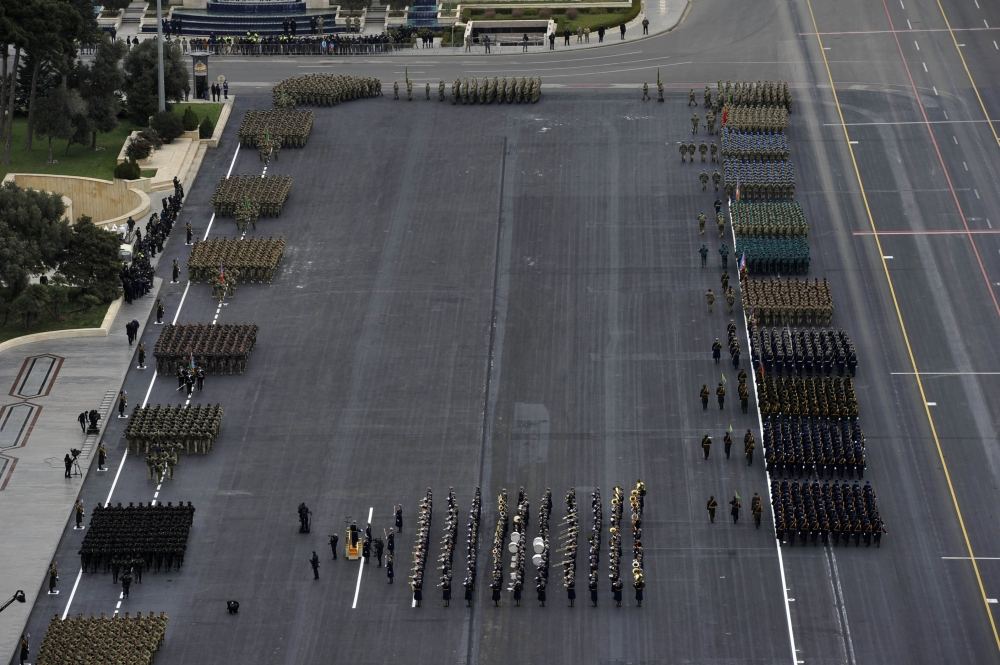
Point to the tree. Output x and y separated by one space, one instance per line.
99 86
56 113
30 303
32 235
90 260
13 32
140 78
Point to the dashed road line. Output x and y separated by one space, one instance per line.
925 66
361 567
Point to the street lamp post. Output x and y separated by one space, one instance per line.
18 596
160 87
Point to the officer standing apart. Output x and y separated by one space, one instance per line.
712 506
314 562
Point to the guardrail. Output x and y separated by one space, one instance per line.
306 49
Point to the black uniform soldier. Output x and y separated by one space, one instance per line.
102 457
189 232
712 505
176 272
399 518
744 393
718 206
390 542
379 548
734 508
142 356
389 573
68 464
78 513
126 583
23 655
720 392
53 578
704 255
314 562
496 595
724 256
446 591
748 445
333 545
706 445
716 350
616 590
704 396
159 312
593 592
304 513
727 440
756 508
701 223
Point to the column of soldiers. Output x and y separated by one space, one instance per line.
156 534
518 538
499 543
734 344
811 511
448 539
118 639
571 529
816 396
219 349
615 544
594 542
637 501
421 545
810 446
472 547
541 558
487 91
803 350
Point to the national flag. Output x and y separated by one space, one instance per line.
743 261
725 116
724 379
730 430
761 372
737 192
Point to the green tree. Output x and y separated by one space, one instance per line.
32 235
56 113
30 303
140 78
13 33
90 260
99 84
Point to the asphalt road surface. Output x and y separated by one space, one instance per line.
510 296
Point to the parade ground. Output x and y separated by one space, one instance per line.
512 296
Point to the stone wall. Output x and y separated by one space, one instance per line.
105 202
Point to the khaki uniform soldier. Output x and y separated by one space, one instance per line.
701 223
720 222
703 150
756 508
712 506
645 91
710 299
691 150
744 393
684 151
704 396
716 178
691 100
409 90
659 91
694 123
456 91
703 178
395 89
706 445
710 121
748 445
440 91
730 299
720 392
708 97
714 150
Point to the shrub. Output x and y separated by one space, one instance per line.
476 11
138 148
490 13
517 12
127 170
206 128
545 12
152 137
571 13
168 125
190 120
596 10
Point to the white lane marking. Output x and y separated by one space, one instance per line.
174 322
991 601
877 123
902 6
946 373
827 48
946 115
965 166
853 142
925 65
955 140
989 223
985 23
908 24
931 403
977 4
976 192
232 163
838 594
72 593
767 474
361 567
887 257
210 221
916 44
995 45
934 88
965 558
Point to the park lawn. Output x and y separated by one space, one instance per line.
90 317
584 19
80 161
201 109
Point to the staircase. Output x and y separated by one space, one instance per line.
374 19
133 13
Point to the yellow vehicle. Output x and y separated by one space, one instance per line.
352 543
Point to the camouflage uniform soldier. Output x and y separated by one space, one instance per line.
440 91
659 91
703 150
456 91
395 89
714 149
716 178
720 221
691 150
710 299
409 90
703 177
691 99
701 223
694 123
645 91
708 97
730 299
709 117
684 152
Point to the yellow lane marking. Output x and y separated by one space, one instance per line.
902 328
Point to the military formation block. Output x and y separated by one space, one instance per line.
767 180
759 145
754 93
290 126
783 256
324 89
805 446
788 301
816 396
818 511
152 536
267 193
119 639
802 351
777 219
218 349
256 259
191 429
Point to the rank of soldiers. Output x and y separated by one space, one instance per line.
268 193
324 89
290 126
421 545
756 118
797 446
816 396
256 259
779 219
156 534
499 543
218 349
766 256
788 301
767 180
119 639
823 511
540 545
448 540
754 144
802 350
472 546
754 93
637 501
192 429
518 542
501 91
568 545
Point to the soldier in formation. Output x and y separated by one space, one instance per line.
815 511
